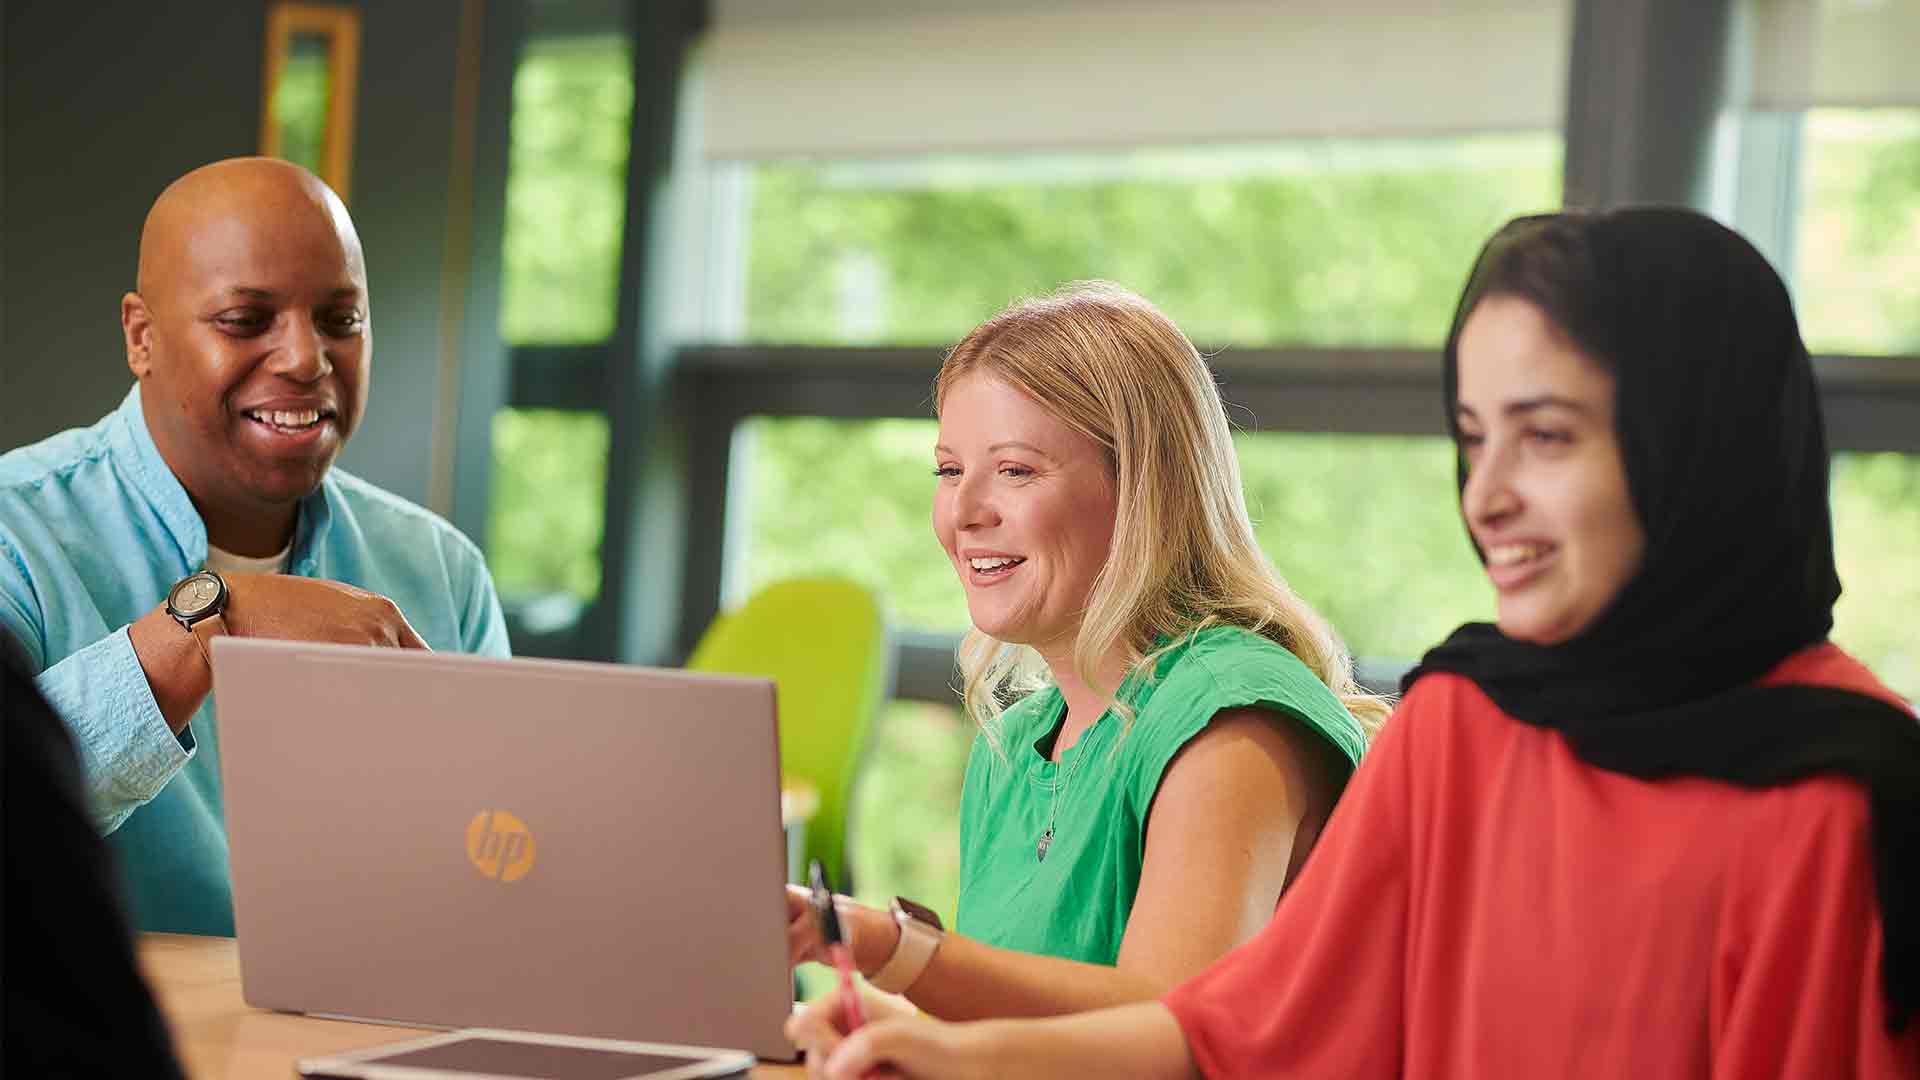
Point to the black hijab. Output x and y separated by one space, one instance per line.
1719 424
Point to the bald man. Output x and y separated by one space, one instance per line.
206 504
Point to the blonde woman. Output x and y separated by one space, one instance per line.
1187 721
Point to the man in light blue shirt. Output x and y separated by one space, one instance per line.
250 339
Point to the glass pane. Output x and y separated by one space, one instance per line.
1324 242
1367 530
546 511
1858 256
300 100
1876 536
1364 527
905 817
846 497
566 190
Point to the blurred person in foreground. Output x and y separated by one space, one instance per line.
205 504
75 1003
1652 822
1182 727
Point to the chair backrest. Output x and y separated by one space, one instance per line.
823 641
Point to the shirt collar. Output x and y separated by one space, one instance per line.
133 445
310 529
134 448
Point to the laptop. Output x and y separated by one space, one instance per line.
432 839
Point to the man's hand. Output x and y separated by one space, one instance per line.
309 609
261 605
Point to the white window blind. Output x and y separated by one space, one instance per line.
871 77
1833 53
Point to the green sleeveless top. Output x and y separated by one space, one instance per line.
1074 903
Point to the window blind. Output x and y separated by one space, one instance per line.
1833 53
870 77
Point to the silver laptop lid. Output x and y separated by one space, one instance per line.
579 848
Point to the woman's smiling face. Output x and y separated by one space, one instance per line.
1546 496
1025 509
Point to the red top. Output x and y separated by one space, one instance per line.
1483 904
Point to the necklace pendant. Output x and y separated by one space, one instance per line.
1046 841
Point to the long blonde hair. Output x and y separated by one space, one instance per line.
1183 556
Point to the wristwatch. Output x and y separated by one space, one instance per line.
195 599
920 934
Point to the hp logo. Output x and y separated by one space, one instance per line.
499 845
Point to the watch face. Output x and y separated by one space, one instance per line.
920 912
195 595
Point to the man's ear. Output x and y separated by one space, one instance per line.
136 325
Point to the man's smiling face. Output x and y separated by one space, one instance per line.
250 334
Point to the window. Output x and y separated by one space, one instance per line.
1876 539
1856 266
1321 242
851 498
1321 189
566 189
905 816
1325 242
300 101
566 200
1365 528
1336 236
548 483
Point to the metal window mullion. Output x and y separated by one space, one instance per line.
1646 80
560 377
1340 391
636 616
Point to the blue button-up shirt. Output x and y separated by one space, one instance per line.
94 529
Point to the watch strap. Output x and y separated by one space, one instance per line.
911 955
215 623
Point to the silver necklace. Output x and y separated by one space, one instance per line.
1053 810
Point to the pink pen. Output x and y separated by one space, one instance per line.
838 949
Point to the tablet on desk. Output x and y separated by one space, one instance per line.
492 1054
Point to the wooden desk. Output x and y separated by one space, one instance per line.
197 980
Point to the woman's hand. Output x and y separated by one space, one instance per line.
821 1026
1139 1040
917 1048
872 933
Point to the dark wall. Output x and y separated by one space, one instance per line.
104 105
402 152
107 102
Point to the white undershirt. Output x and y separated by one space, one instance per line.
226 562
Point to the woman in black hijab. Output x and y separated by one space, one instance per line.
1650 821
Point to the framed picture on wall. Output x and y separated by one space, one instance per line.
311 71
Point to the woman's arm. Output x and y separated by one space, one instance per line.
1139 1040
1798 986
1234 813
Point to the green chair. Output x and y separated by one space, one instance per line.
823 641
